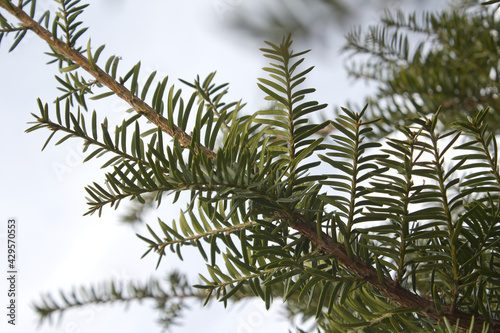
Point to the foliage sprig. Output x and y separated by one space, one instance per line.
391 237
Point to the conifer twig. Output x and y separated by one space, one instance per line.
323 242
101 76
388 286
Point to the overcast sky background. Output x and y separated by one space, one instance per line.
58 248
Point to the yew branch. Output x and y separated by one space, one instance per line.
101 76
389 287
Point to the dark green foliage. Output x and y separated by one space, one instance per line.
423 62
412 217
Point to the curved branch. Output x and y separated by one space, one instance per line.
120 90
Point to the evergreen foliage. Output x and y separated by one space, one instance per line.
422 62
395 235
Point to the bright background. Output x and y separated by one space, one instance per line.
58 248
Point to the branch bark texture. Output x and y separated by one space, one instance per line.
119 89
387 287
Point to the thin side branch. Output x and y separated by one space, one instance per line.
120 90
389 287
161 246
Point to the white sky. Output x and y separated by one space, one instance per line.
58 247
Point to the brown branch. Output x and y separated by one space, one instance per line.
120 90
389 287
